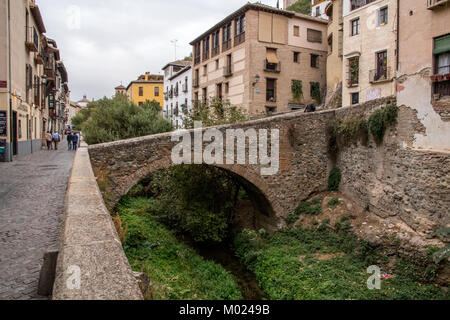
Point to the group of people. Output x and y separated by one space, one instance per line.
54 139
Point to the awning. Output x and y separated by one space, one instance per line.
272 56
442 45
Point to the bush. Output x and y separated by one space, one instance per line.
301 6
381 120
115 119
313 207
334 180
334 202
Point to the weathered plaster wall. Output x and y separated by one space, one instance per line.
410 184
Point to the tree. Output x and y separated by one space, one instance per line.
301 6
118 118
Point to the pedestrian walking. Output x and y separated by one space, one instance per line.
56 139
49 138
69 140
75 139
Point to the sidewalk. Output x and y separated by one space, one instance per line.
32 192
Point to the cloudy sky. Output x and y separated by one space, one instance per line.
106 42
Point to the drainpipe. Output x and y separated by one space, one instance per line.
10 86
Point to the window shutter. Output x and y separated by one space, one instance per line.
442 44
314 35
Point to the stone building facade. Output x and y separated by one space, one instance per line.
252 58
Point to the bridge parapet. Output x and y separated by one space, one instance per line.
91 262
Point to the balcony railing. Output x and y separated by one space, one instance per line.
272 67
240 38
32 39
227 71
215 51
434 4
170 94
226 45
175 91
356 4
185 87
166 96
376 75
352 80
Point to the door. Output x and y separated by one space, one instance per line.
14 137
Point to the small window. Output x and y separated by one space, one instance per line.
314 61
296 31
205 70
217 64
354 24
317 11
383 16
330 43
314 35
355 98
296 57
141 91
140 104
227 87
156 91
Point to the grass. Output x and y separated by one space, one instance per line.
290 265
176 271
334 202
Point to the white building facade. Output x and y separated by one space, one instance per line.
177 91
318 8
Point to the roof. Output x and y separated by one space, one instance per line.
145 82
119 87
180 72
37 17
178 63
258 7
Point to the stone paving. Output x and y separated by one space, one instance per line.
32 191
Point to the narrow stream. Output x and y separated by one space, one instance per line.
224 255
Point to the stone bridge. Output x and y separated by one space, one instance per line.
303 166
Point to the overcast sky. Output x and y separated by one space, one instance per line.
106 42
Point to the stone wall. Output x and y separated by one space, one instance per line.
394 180
89 244
304 164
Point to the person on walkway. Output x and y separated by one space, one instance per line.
75 139
69 140
49 138
56 139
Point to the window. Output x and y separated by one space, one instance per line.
156 91
442 66
227 87
141 91
353 71
219 91
330 44
226 36
197 52
271 90
239 30
354 27
317 11
215 43
205 70
296 57
272 63
355 4
314 35
314 61
296 31
381 71
217 64
140 104
383 16
206 48
204 94
355 98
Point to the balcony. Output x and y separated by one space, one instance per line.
166 96
195 83
377 76
356 4
32 39
272 67
38 59
175 91
240 38
227 71
170 93
185 87
436 4
215 51
226 45
352 80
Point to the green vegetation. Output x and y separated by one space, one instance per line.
443 253
321 263
301 6
334 180
315 92
334 202
176 271
118 118
345 133
381 120
313 207
297 90
212 113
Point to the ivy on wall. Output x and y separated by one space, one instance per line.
315 92
297 90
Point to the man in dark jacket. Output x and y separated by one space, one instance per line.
69 140
75 141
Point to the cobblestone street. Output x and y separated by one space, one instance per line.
32 192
